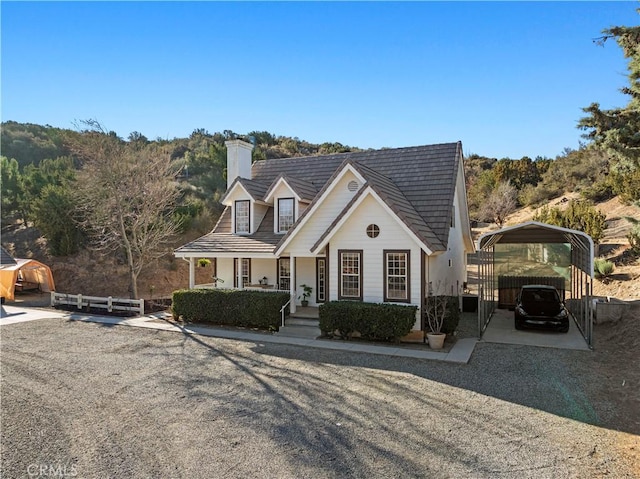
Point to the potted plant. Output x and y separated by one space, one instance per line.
306 292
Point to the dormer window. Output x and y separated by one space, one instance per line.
285 214
242 217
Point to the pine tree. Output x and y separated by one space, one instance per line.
617 131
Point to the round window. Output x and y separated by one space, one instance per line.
373 231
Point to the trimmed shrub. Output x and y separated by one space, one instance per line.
249 309
374 321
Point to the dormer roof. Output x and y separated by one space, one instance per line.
304 190
255 189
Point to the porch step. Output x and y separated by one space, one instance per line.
299 321
297 327
308 312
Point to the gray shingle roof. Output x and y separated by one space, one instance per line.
256 189
418 183
400 205
305 190
425 175
221 239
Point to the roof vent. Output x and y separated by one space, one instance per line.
352 186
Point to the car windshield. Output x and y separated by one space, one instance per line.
530 296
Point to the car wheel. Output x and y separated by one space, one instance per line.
518 325
564 329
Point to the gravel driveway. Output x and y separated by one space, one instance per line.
93 401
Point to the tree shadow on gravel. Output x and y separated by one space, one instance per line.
379 426
556 381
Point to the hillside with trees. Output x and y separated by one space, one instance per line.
96 205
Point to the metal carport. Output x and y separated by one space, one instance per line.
532 232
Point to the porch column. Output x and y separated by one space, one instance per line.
192 273
292 284
239 272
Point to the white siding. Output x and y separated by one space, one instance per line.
225 272
306 274
353 235
238 194
282 191
320 219
450 268
261 268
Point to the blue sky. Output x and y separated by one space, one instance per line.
508 79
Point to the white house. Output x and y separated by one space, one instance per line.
380 226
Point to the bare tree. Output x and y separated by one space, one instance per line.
437 307
127 193
500 203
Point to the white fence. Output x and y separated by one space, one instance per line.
109 304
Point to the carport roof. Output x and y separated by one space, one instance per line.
536 232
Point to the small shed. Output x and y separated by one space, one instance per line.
23 275
493 289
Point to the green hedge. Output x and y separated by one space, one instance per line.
252 309
385 322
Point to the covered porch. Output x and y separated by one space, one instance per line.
263 273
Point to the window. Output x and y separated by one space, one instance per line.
396 276
285 214
284 274
245 267
453 216
321 280
373 231
242 216
350 274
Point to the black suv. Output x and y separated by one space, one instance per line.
540 306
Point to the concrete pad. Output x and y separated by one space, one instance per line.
14 314
501 329
463 349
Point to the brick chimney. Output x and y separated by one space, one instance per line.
238 160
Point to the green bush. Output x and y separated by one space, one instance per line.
250 309
374 321
634 235
597 192
603 268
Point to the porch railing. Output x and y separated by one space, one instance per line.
283 309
